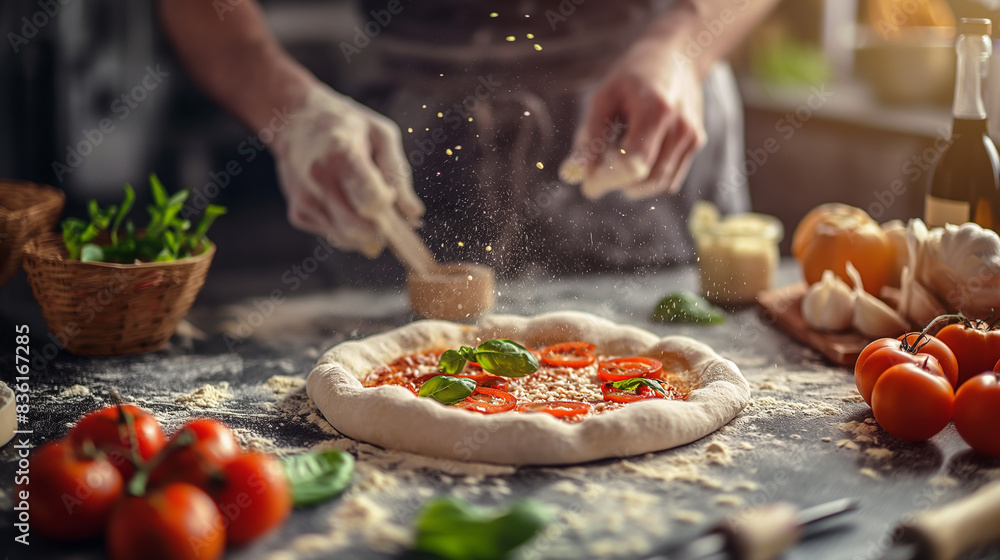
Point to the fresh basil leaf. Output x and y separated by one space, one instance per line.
504 357
123 211
634 383
468 353
318 476
159 193
452 529
91 253
686 307
447 389
451 362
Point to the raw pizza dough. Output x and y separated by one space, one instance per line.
392 417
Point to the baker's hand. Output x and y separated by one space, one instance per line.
656 92
340 164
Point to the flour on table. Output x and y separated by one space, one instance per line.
74 391
283 384
206 396
870 473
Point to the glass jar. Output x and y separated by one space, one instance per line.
737 256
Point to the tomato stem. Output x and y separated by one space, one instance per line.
125 417
140 480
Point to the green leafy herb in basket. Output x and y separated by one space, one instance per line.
167 237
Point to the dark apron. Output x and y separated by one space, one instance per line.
487 200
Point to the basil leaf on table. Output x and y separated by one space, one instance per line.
686 307
634 383
447 389
318 476
506 358
452 529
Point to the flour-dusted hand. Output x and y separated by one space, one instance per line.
340 164
656 93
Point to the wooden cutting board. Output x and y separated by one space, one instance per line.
783 308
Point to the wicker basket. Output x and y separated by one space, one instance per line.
105 309
26 209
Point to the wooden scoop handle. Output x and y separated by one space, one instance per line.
405 243
949 531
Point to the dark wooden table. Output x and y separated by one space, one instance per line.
805 438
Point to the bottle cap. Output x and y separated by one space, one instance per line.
975 26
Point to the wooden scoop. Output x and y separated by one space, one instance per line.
454 291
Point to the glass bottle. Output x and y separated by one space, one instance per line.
965 182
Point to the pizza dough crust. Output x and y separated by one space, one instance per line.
391 417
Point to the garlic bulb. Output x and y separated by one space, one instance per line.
829 304
916 302
958 264
872 317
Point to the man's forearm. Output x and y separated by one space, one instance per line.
705 31
235 59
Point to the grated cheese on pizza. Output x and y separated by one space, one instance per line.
548 384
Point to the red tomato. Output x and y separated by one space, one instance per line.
106 429
626 368
977 413
932 345
255 496
867 374
212 445
70 496
569 354
912 402
976 347
176 522
558 409
488 401
996 368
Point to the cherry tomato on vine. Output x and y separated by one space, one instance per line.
71 496
107 430
255 496
871 365
976 345
176 522
932 345
211 445
568 354
977 413
912 402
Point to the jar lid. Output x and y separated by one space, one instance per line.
975 26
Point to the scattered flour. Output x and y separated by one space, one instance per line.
878 453
729 500
870 473
283 384
688 516
206 396
74 391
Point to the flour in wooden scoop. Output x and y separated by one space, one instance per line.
453 292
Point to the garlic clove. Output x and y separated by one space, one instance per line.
829 304
916 302
872 317
895 230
